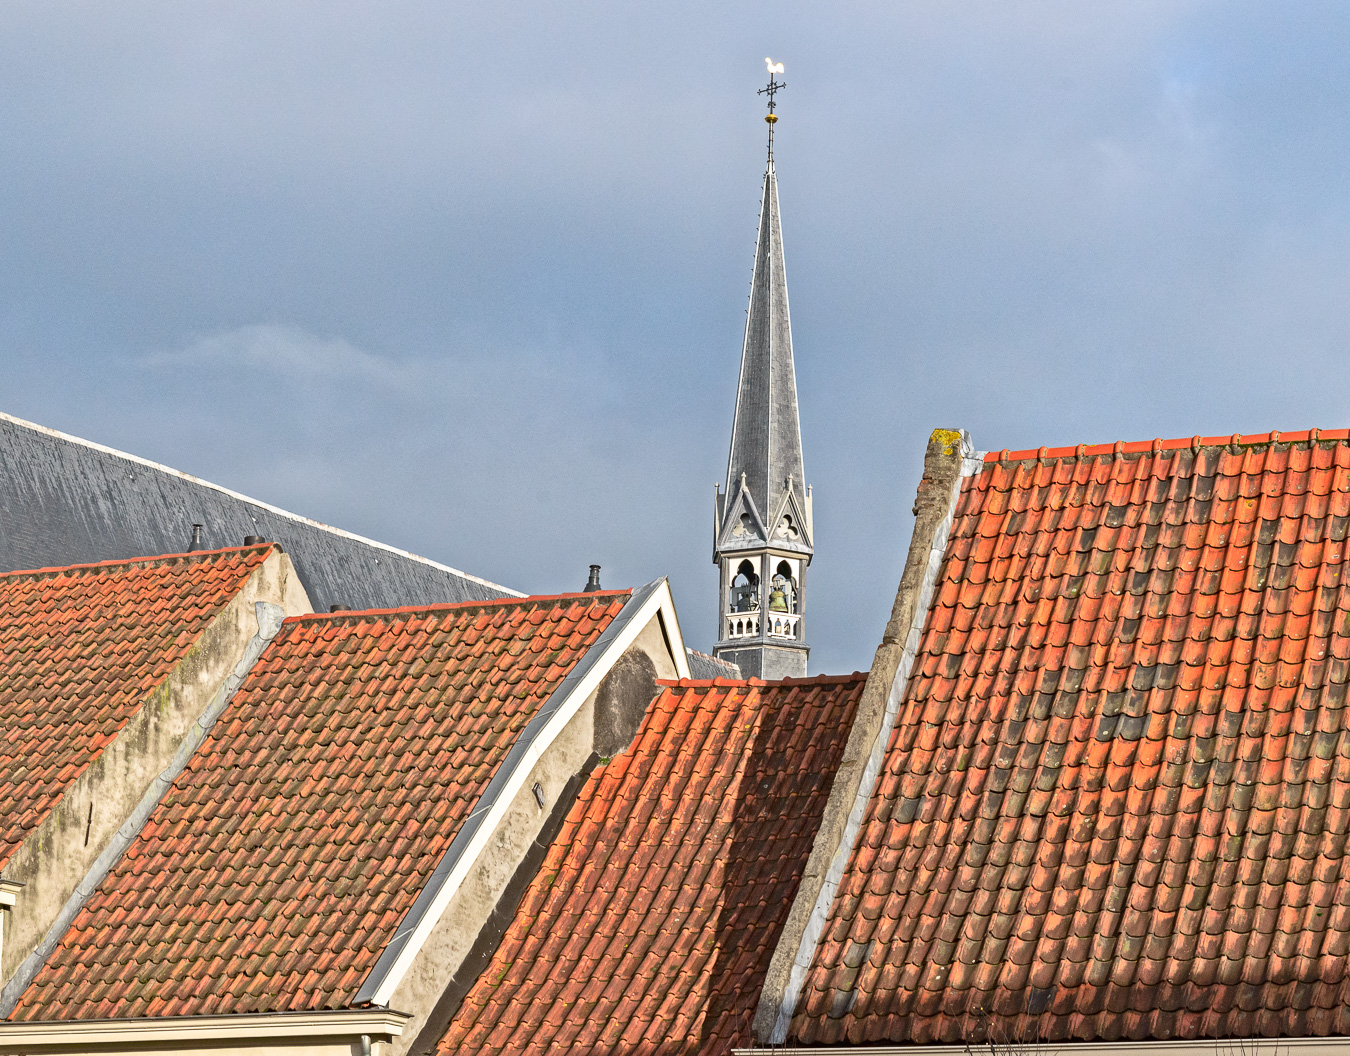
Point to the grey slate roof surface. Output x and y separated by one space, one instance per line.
67 501
703 666
766 442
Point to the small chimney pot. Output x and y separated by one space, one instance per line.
593 584
339 608
254 540
196 543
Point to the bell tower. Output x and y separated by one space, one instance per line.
763 531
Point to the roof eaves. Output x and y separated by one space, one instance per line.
1274 1046
114 1034
415 928
277 510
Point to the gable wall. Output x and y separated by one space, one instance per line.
59 853
623 696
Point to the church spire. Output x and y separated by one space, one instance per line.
766 444
763 531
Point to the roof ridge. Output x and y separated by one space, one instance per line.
443 605
300 519
810 680
1136 447
148 559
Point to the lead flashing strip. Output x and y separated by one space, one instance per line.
269 618
815 925
158 467
488 813
111 1033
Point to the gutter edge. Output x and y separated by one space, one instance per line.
248 1026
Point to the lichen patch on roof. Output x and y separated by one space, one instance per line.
277 867
81 648
1116 801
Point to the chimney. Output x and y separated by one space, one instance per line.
593 584
196 543
339 608
254 540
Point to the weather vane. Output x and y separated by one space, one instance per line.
774 84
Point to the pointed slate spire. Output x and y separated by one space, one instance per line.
766 442
762 533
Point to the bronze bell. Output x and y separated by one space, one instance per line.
777 600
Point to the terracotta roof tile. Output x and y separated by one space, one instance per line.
1116 799
276 869
651 922
80 649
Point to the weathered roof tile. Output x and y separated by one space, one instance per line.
1143 832
277 867
654 915
81 647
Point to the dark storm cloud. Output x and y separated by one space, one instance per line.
471 279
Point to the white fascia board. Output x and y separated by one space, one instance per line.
97 1033
674 636
159 467
1332 1046
421 921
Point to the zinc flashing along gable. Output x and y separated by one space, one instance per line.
104 669
291 849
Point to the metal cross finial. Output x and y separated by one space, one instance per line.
770 89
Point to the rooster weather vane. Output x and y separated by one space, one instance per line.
775 68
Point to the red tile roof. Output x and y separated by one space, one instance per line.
80 650
1116 801
277 867
650 925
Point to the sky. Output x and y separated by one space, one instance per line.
471 279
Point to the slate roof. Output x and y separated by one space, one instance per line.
63 499
80 650
651 922
703 666
279 864
1116 800
766 441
